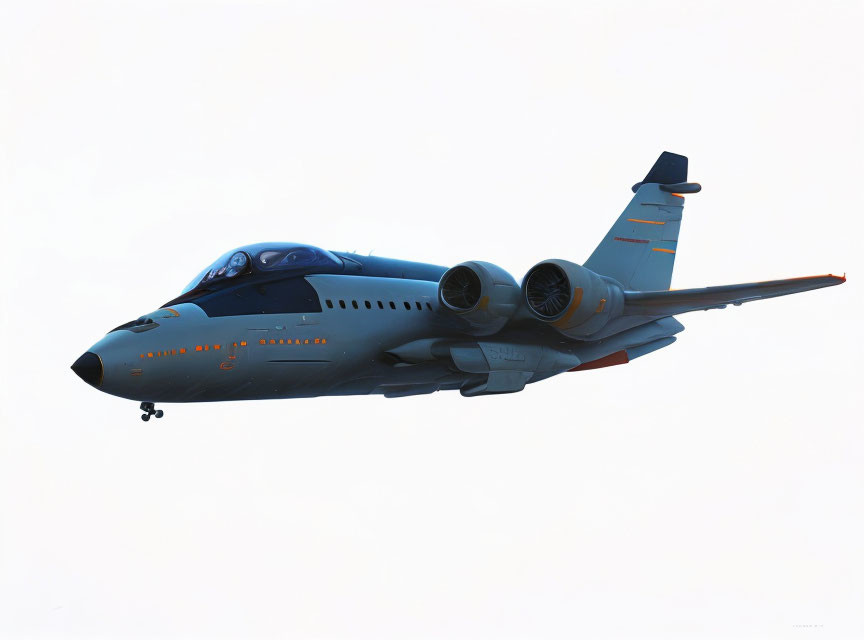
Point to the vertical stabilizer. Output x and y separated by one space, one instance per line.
639 250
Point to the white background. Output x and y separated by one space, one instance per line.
713 489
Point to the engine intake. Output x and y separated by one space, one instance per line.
461 289
571 298
483 294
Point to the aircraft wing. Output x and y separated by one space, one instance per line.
668 303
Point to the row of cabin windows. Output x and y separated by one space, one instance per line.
368 305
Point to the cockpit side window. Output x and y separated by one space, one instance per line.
295 257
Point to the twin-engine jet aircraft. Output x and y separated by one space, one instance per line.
275 320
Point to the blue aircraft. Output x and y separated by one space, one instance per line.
277 320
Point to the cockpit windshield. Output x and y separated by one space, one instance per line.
267 257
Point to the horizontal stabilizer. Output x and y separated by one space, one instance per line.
668 303
681 187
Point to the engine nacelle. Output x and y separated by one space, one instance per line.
571 298
482 293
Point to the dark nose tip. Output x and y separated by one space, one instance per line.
89 368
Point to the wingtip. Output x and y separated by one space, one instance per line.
837 279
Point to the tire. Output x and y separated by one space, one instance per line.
145 417
159 413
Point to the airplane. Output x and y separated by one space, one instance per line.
280 320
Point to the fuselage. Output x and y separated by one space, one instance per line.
292 321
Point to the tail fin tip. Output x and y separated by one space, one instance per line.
670 168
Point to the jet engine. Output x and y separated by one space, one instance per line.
483 294
571 298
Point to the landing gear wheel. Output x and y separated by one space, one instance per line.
150 409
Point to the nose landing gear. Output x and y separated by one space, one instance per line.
150 409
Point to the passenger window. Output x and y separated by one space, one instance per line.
419 306
429 306
354 304
368 305
329 304
407 306
380 305
341 304
392 305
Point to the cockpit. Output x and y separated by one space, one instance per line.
269 277
266 258
260 278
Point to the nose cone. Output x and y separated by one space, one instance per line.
89 369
